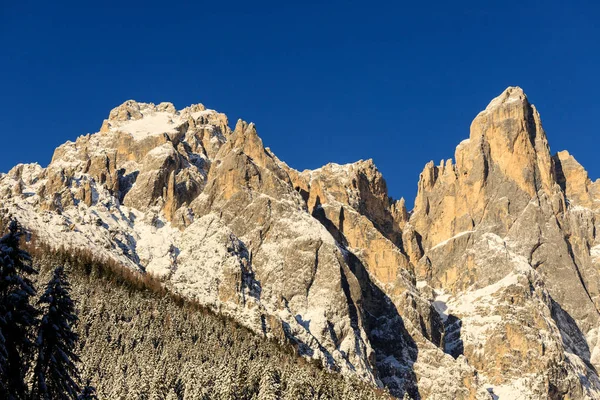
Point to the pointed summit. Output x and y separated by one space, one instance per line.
506 157
510 134
510 112
512 94
132 110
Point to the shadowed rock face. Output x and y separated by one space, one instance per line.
489 287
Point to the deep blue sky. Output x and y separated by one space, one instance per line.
324 81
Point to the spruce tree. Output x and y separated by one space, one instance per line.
88 392
17 314
55 374
269 385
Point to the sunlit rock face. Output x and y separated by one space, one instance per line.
507 233
488 288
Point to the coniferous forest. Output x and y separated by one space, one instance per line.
74 327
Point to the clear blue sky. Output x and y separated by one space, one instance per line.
324 81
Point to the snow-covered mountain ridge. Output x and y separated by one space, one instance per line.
489 287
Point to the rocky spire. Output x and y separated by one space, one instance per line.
499 212
505 160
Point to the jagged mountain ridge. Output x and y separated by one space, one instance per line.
489 285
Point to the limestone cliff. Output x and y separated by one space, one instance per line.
489 287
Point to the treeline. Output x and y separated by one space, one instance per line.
137 340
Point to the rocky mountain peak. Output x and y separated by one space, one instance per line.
129 110
490 284
511 135
506 159
508 207
133 110
510 95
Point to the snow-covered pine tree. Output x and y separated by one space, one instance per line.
88 392
297 385
159 387
119 389
171 395
55 375
17 314
193 386
269 385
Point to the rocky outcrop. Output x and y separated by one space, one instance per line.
489 287
574 180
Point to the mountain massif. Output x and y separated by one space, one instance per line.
489 288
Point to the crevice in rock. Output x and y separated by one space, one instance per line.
453 343
583 284
559 173
314 269
303 193
126 182
532 252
